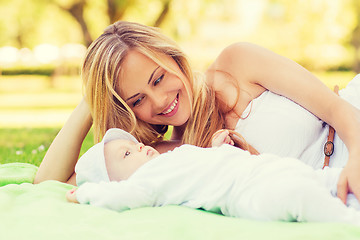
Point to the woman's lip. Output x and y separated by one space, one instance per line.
173 112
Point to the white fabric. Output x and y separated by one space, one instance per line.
228 180
280 126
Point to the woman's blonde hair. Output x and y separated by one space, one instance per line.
101 71
206 117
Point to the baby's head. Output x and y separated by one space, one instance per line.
115 158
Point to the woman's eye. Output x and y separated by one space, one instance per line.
127 153
137 102
157 81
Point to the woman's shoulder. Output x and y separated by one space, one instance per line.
229 73
235 61
236 53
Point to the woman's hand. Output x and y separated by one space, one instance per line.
220 137
71 196
349 180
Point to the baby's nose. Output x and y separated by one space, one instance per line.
140 146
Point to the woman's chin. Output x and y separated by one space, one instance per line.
180 123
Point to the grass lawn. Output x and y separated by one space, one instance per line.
29 145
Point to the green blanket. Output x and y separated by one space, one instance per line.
41 212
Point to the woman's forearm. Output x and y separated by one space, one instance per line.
61 157
346 121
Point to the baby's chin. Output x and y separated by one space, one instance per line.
154 155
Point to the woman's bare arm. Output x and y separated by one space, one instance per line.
62 155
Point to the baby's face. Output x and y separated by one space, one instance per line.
124 157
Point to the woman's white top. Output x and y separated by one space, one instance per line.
280 126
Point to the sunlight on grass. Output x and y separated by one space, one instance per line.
39 84
45 100
20 118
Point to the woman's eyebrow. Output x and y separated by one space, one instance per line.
151 76
132 97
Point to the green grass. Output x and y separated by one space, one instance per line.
29 145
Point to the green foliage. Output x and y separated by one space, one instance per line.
46 70
29 145
66 68
320 34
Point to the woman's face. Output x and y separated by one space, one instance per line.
155 95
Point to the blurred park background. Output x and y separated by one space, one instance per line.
42 43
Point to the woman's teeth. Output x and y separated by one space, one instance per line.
171 107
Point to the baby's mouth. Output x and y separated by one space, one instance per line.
149 152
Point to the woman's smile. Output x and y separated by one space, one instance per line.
171 110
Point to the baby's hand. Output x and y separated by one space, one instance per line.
71 196
221 137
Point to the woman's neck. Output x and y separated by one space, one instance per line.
178 132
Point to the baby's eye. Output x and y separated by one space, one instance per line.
157 81
127 153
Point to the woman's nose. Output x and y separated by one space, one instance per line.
158 100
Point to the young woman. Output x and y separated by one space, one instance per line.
137 79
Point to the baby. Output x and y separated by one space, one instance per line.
120 173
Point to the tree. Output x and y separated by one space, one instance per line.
19 21
77 11
355 35
164 12
116 10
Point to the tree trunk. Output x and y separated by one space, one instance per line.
355 37
117 9
77 11
160 19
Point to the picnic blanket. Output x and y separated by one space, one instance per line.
40 211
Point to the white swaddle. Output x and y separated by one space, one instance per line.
229 180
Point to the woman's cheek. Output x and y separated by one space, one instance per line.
143 113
